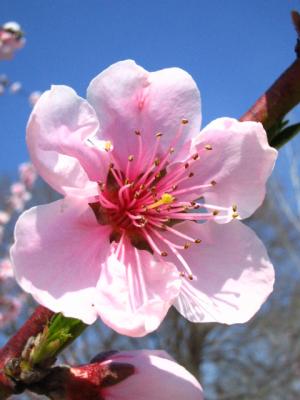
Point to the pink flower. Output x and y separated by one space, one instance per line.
15 87
4 217
6 269
11 39
19 196
138 375
27 174
33 97
137 175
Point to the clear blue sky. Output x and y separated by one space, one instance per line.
234 49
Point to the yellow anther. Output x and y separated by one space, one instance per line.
157 162
234 207
166 198
108 145
184 121
235 215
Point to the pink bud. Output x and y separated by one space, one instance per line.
144 374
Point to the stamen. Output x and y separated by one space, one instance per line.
166 198
173 247
208 147
108 146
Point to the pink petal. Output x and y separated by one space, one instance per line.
134 294
57 256
157 377
57 133
127 98
233 275
240 163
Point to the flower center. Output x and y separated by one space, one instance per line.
150 197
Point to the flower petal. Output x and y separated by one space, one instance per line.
134 294
127 98
239 162
57 133
157 376
57 255
233 275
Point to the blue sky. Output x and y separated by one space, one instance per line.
234 49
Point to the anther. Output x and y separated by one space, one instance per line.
191 174
111 165
187 245
208 147
184 121
127 181
195 156
197 241
171 151
164 254
143 221
197 206
213 183
193 203
158 134
130 158
190 277
215 212
153 189
142 186
158 175
182 274
138 133
235 215
234 208
108 145
186 165
174 187
156 162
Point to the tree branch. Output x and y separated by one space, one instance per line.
282 96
